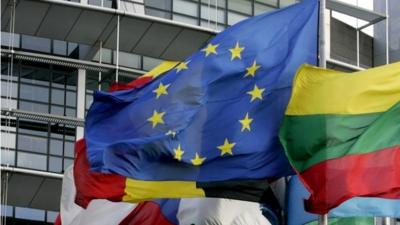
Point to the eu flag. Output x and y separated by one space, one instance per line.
215 117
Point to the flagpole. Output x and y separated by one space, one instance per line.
322 219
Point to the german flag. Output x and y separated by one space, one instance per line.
341 133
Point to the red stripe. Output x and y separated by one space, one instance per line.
334 181
137 83
146 213
90 185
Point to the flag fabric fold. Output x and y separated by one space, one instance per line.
341 134
210 124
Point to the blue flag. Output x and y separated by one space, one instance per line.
215 116
354 207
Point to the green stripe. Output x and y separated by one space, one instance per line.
311 139
348 221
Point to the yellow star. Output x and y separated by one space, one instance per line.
236 51
210 49
226 148
246 122
178 153
161 90
251 71
197 161
256 93
172 133
182 66
156 118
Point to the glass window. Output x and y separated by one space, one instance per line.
128 59
269 2
71 98
69 149
211 25
89 100
221 3
34 93
51 216
149 63
36 43
55 164
165 4
8 103
6 38
8 210
259 9
70 112
186 7
29 214
67 163
33 107
243 6
33 75
57 96
73 50
235 17
220 14
8 139
8 157
59 47
158 13
32 143
29 160
57 110
56 147
9 89
284 3
185 19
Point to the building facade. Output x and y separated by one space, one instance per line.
56 53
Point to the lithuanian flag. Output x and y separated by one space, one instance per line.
341 133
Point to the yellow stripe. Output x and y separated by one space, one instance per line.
160 69
321 91
139 190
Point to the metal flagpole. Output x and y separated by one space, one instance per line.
323 219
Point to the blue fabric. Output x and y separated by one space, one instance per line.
204 105
355 207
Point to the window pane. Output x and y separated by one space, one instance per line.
29 160
56 147
128 60
220 14
67 163
69 149
235 17
60 47
29 214
258 9
165 4
243 6
150 63
9 89
185 7
70 112
55 164
7 157
51 216
57 110
158 13
269 2
285 3
35 75
34 107
71 98
34 93
31 143
221 3
36 43
89 100
185 19
8 140
5 40
57 96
